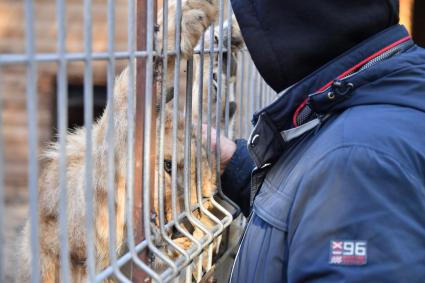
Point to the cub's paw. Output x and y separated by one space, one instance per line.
197 16
183 242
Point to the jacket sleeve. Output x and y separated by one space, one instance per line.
236 178
358 216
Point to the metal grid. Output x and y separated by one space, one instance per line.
146 221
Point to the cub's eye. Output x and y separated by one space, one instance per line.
167 166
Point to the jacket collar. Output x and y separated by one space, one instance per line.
282 110
266 143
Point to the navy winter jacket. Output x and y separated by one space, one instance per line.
338 196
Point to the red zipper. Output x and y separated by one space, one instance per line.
349 71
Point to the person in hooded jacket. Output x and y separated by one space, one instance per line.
333 175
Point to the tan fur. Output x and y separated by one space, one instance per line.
236 44
197 15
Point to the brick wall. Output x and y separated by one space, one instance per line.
13 88
13 79
406 12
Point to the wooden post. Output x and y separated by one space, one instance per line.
139 275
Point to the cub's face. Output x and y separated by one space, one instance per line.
208 176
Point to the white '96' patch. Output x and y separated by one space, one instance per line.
347 252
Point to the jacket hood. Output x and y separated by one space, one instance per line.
288 40
362 75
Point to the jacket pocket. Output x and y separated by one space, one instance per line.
273 206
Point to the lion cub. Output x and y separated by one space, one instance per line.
197 15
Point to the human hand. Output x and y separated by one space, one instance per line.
227 146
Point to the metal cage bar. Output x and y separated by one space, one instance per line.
14 59
31 95
111 140
2 210
209 93
88 124
163 96
62 114
228 68
218 107
175 116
